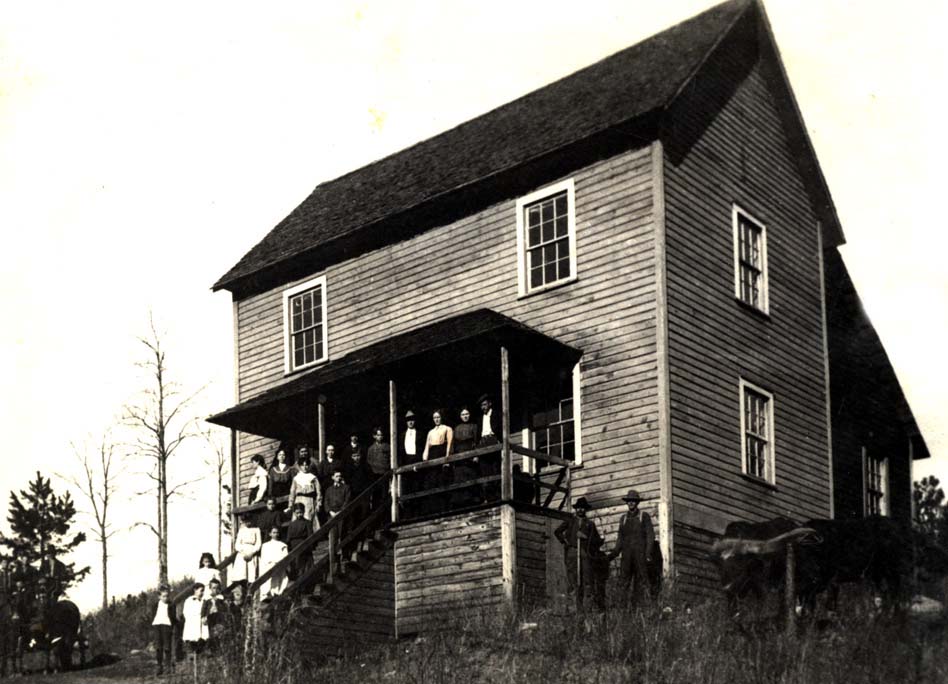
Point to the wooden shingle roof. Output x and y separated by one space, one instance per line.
629 85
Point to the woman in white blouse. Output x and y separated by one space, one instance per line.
305 490
437 445
247 545
257 487
272 553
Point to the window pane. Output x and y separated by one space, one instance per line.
547 211
533 216
562 226
534 236
561 209
548 233
536 277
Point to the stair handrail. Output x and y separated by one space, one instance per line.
322 533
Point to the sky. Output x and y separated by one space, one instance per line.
145 148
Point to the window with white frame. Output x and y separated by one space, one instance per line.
876 475
555 419
750 260
546 237
757 429
304 325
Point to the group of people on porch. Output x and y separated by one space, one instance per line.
311 492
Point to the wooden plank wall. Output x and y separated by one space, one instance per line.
447 569
533 537
741 155
697 575
609 312
363 612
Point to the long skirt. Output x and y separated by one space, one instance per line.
243 569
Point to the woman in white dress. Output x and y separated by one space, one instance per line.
305 490
272 553
207 570
247 545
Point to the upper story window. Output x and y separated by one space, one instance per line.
546 238
757 429
877 484
304 325
750 260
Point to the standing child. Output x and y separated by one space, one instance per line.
297 532
247 545
163 622
272 553
207 570
195 622
215 616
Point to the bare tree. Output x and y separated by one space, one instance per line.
161 419
98 482
217 461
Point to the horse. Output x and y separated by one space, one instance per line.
54 629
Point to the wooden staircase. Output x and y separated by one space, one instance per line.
353 570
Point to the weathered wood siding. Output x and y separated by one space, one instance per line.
609 312
868 407
727 144
363 612
447 569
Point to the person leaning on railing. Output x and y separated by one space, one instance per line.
410 445
466 435
491 432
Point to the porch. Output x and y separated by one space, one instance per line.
414 561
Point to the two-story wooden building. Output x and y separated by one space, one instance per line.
639 263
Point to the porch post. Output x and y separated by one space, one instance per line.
393 445
506 471
321 427
234 493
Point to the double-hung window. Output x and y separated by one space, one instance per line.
876 474
750 260
304 325
757 429
546 238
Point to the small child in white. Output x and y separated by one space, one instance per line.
195 622
271 553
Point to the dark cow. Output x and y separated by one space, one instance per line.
744 566
752 557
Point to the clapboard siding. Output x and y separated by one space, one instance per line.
609 312
533 537
720 152
696 574
452 562
363 612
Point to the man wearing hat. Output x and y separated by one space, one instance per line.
491 432
635 540
410 448
579 534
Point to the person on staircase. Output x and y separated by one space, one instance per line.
271 553
306 490
247 545
271 516
280 474
337 498
207 570
259 481
297 532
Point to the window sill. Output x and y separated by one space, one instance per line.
760 482
548 288
307 367
760 313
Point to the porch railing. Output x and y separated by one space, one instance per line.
543 492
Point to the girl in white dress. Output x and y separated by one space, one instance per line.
247 545
272 553
207 570
195 631
259 481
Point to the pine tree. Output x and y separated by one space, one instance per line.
40 520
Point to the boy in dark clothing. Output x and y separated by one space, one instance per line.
337 495
215 612
296 533
271 517
164 620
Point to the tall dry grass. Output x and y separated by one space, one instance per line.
667 642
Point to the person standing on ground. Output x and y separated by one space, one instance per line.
163 623
195 622
579 535
635 541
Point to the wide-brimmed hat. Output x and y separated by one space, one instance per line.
581 502
410 415
633 495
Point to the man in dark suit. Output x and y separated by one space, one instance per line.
635 542
579 535
410 447
491 432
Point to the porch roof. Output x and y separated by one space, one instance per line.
482 327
